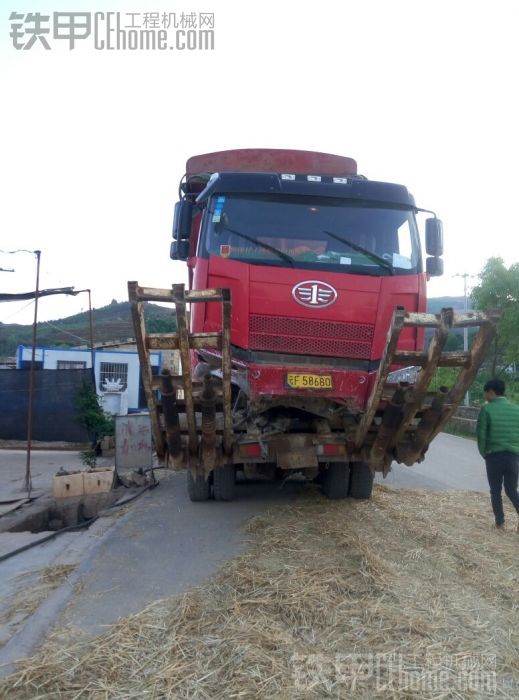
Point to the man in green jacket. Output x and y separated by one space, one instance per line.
498 444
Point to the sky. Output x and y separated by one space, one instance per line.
93 142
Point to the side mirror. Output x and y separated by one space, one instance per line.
179 250
434 237
434 267
182 219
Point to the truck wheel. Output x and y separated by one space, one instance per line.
224 478
361 482
336 480
198 486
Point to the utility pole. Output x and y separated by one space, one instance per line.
465 330
36 295
465 275
28 479
91 322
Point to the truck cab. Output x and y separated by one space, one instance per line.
316 258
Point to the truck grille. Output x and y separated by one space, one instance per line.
310 336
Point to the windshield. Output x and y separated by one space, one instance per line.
319 233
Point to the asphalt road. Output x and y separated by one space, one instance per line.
450 463
164 544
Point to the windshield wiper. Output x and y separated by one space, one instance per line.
251 239
355 246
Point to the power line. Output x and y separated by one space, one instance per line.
62 330
19 310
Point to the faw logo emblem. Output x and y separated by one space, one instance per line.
314 294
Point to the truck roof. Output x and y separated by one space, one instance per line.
353 187
271 160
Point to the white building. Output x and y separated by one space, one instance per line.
117 372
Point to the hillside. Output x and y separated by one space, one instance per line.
435 304
112 322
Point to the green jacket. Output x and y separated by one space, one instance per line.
498 427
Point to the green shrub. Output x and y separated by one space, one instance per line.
89 457
97 422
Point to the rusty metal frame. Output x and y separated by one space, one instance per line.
391 419
413 451
386 361
397 436
137 309
478 352
168 395
184 342
226 372
185 364
444 324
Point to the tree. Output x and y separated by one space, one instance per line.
499 288
156 324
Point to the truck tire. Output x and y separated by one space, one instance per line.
224 479
336 480
198 487
361 480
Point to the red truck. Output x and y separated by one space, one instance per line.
303 349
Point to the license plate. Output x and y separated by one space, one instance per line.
297 380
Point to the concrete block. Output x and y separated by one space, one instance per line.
98 480
66 485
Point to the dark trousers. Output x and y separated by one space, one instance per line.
502 468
